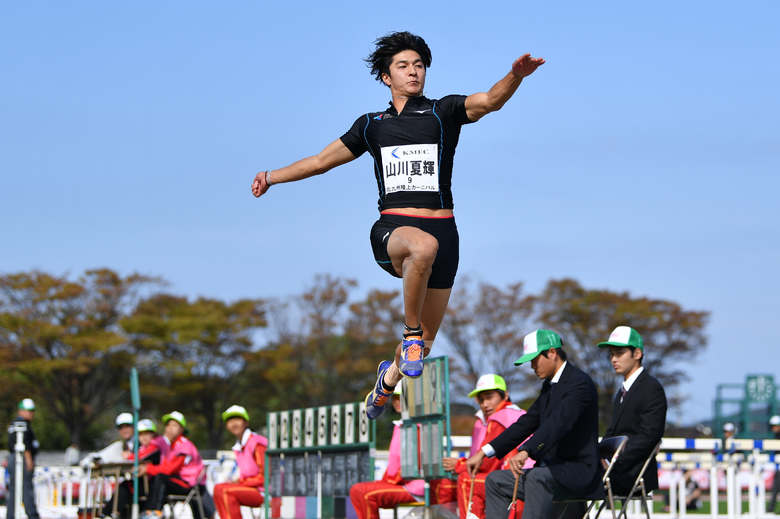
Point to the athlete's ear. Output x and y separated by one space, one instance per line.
386 79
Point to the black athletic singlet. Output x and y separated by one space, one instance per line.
412 151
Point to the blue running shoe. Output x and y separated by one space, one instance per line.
377 400
412 349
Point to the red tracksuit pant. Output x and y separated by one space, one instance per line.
477 498
230 496
369 496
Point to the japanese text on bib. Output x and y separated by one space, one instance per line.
411 167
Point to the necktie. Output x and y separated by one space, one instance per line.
622 394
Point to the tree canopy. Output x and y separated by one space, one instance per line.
70 344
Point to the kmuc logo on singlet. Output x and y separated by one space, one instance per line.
411 167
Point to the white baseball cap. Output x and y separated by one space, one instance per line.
27 405
728 427
124 419
775 420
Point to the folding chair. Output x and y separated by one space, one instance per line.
194 493
639 484
609 449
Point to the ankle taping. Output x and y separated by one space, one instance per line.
412 331
388 389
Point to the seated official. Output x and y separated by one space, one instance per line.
149 452
120 450
496 413
564 424
247 489
177 472
639 411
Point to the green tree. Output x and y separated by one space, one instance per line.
673 336
483 332
324 347
189 355
486 325
60 339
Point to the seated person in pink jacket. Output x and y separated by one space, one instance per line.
369 496
496 413
248 487
180 470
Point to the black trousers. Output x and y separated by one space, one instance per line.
163 485
28 492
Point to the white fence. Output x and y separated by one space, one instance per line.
742 472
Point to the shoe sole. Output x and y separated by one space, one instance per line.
379 373
412 368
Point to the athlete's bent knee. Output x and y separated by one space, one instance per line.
424 250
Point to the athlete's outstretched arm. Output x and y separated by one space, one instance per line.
334 154
483 103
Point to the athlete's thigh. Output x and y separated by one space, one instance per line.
434 308
405 239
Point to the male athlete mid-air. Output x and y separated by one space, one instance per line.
412 144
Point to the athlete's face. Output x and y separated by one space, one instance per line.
407 74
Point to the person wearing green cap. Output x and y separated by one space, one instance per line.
564 445
247 488
496 413
179 471
150 450
638 411
22 422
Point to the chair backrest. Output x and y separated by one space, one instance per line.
610 449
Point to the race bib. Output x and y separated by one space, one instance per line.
411 167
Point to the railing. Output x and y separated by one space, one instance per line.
738 475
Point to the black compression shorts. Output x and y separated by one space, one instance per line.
443 229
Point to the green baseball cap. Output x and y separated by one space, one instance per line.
235 411
538 341
488 383
624 337
146 425
397 390
27 404
176 416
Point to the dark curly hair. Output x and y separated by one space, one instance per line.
391 44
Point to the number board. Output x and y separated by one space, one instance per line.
363 433
425 396
322 426
273 431
297 426
335 424
308 427
426 421
340 424
284 429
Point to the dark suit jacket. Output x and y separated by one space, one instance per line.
564 423
641 417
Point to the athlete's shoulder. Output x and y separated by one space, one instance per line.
453 108
452 99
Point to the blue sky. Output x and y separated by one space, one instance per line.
644 156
